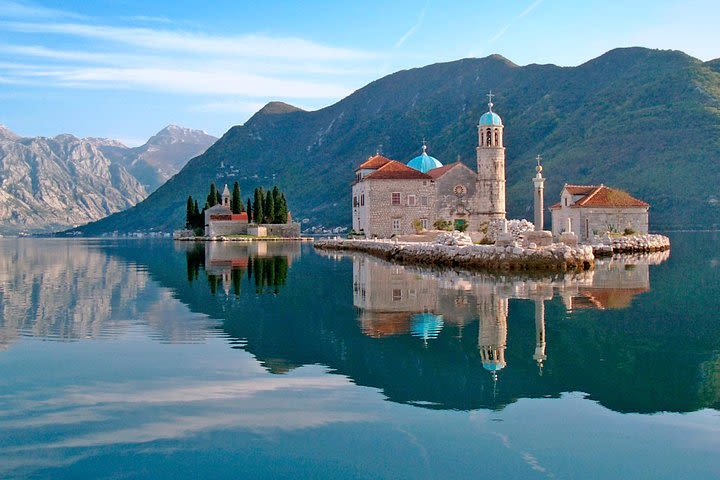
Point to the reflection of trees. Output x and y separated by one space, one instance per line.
195 256
269 272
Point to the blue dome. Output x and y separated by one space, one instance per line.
490 118
424 162
426 325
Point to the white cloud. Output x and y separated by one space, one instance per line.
196 43
12 9
414 28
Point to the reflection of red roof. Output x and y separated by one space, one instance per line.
607 298
602 196
394 170
385 324
374 162
239 262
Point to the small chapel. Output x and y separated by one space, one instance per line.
390 197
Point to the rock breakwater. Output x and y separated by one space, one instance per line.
631 244
481 257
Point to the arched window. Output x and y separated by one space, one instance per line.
489 137
496 137
482 138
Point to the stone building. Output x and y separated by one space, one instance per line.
589 210
391 198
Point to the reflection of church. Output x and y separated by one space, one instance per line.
399 300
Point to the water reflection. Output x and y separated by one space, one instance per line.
397 300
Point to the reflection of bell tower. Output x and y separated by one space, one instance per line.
492 339
539 355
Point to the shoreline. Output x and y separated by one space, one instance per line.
243 239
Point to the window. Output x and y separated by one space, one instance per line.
489 134
411 200
566 201
496 138
396 225
425 223
396 295
424 201
395 198
362 200
355 201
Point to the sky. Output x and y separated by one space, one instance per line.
124 69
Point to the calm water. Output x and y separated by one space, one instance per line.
148 359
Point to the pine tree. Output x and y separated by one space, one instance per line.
249 210
269 208
189 213
236 203
258 207
212 198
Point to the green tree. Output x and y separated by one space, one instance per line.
249 210
189 213
281 211
236 204
213 197
258 207
197 217
269 207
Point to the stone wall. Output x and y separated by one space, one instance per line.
285 230
221 227
383 217
590 222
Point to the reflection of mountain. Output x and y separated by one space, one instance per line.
71 290
626 359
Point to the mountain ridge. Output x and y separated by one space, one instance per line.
613 119
52 183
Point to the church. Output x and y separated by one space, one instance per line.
392 198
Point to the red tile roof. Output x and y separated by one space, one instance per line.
440 171
580 189
374 162
394 170
604 196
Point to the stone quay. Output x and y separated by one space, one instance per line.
557 257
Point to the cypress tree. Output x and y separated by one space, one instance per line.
237 204
249 210
197 218
281 213
258 206
269 207
189 213
213 199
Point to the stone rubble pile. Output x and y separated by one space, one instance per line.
484 257
608 245
516 228
454 239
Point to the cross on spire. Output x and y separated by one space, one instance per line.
424 146
539 168
490 96
539 159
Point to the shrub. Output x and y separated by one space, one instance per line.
461 227
417 225
442 225
629 231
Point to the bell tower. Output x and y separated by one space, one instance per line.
490 165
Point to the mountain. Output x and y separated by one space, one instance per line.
52 183
49 184
647 121
162 156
